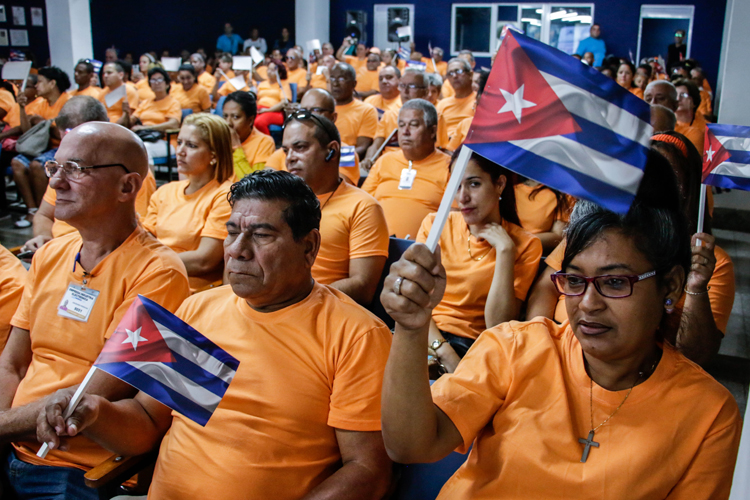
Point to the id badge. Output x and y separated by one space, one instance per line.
407 178
77 303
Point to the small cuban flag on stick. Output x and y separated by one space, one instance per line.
726 161
550 118
159 354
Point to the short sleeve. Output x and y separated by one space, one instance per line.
215 226
21 317
555 258
424 228
368 236
475 392
50 195
276 160
368 126
526 267
266 148
174 111
132 95
152 215
371 183
721 294
357 383
205 99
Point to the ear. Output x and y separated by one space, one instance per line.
334 117
500 185
130 184
433 133
674 282
311 244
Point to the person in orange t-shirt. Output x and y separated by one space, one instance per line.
28 172
82 74
357 121
354 233
409 183
543 211
358 60
113 76
12 280
367 76
204 78
690 123
389 98
240 110
274 95
435 63
190 216
460 105
490 262
296 72
552 410
321 103
462 130
189 93
78 288
320 435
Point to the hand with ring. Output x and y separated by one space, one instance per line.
414 287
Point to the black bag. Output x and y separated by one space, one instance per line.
149 135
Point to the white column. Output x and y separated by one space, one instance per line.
69 31
734 71
312 21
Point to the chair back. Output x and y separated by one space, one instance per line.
396 248
219 110
186 112
424 481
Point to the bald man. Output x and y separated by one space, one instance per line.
358 121
78 289
663 119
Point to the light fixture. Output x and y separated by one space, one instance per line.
559 14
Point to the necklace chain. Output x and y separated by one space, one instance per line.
333 193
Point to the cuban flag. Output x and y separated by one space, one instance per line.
158 353
550 118
404 53
347 156
416 64
726 159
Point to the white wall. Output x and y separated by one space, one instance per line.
69 30
733 83
312 21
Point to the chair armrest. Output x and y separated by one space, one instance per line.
118 468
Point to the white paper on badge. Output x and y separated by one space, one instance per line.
114 97
403 31
171 63
77 303
243 63
407 178
238 82
256 55
16 70
313 45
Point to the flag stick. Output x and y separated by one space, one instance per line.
701 210
450 192
71 407
382 146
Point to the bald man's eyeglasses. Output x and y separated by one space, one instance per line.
411 86
457 72
72 170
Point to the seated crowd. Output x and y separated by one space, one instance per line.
273 244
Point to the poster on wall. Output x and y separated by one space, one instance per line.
2 14
19 16
37 16
3 38
19 38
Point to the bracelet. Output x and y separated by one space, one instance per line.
697 293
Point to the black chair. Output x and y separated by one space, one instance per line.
396 248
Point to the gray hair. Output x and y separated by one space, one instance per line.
81 109
417 72
433 79
439 51
428 111
672 88
467 53
462 62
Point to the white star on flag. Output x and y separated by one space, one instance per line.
515 103
134 338
710 154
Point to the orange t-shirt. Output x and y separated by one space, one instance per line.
539 214
115 112
63 349
207 81
356 62
695 131
356 119
319 82
258 147
636 92
352 226
442 66
305 371
196 98
367 80
405 209
180 220
454 110
227 88
383 104
269 94
40 106
144 90
460 133
704 108
12 279
153 112
60 228
348 166
389 122
90 91
447 89
461 312
522 396
298 76
7 103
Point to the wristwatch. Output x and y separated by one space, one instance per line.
435 345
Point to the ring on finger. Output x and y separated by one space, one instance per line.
397 285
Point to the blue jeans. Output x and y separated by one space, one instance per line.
40 482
